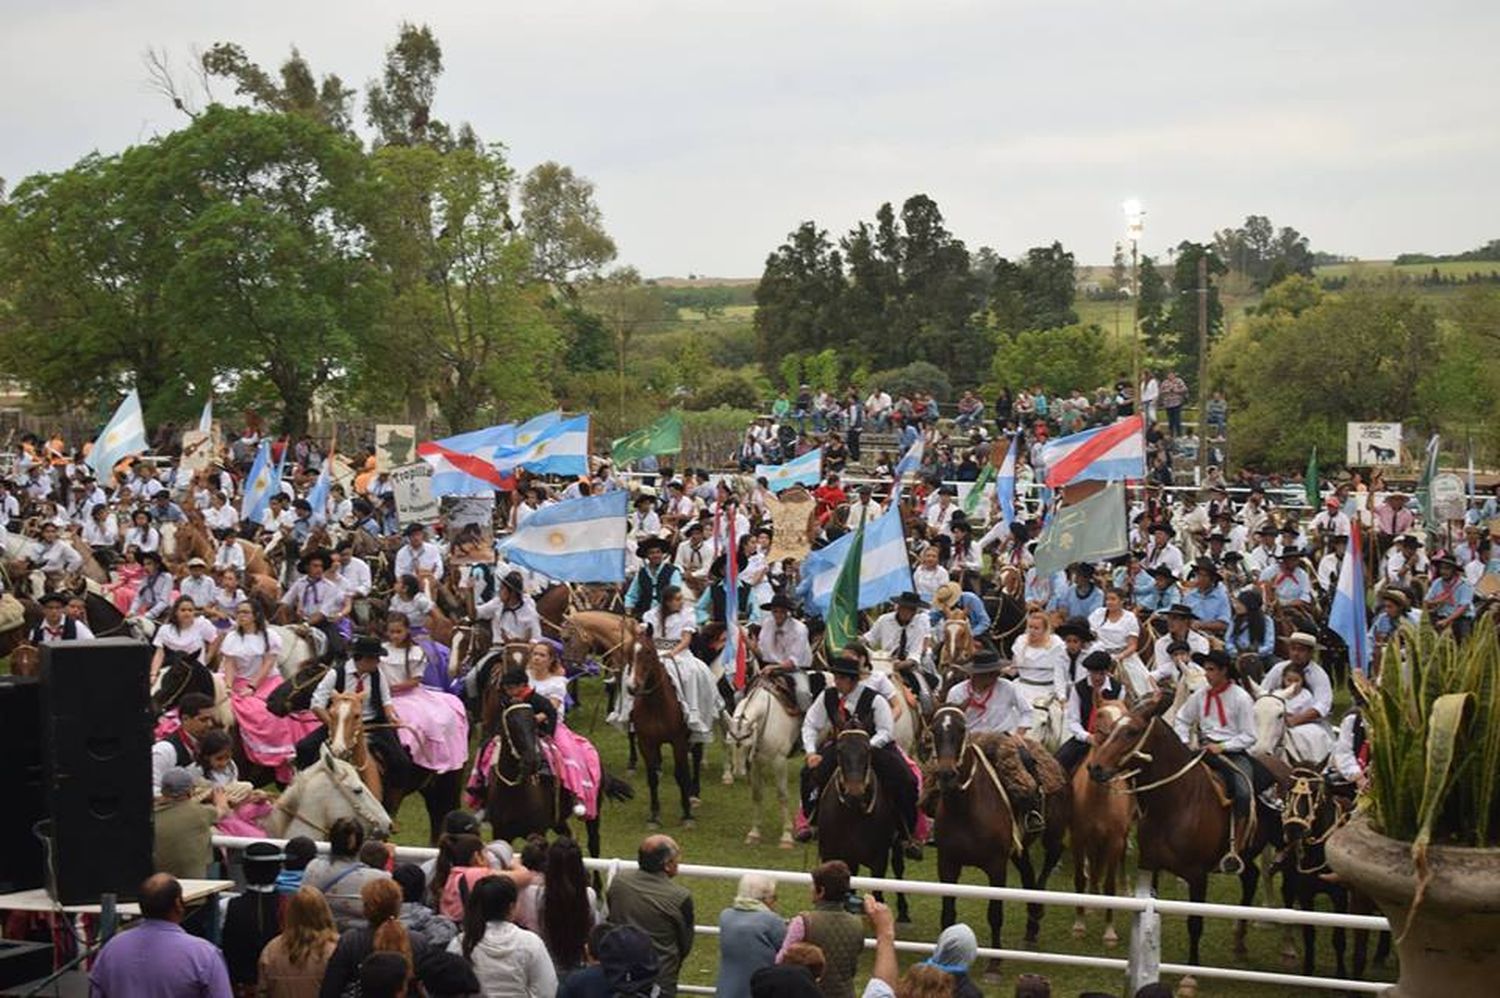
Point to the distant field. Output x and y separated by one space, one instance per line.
731 313
1377 268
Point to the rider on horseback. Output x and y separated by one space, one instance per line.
907 635
993 705
783 649
361 674
850 703
1224 716
1084 699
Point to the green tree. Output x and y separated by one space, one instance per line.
298 91
798 300
399 105
1151 305
564 225
1181 328
1037 293
1119 270
1263 254
628 306
1060 360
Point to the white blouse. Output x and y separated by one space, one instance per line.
250 648
1044 666
1112 634
554 688
674 627
399 665
927 580
198 636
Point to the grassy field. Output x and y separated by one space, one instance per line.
731 313
1382 268
718 840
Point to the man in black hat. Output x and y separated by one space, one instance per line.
512 613
694 556
1208 599
782 642
56 626
1081 597
360 674
1450 597
1180 619
1162 551
1081 713
656 575
644 522
852 704
1287 584
993 705
1223 716
1078 639
906 634
318 601
1164 590
419 556
1263 554
253 918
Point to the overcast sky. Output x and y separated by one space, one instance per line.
712 129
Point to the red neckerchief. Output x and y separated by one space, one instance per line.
1212 700
1363 755
979 703
1284 574
1445 593
524 695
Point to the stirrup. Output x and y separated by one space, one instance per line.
1232 864
1032 821
912 849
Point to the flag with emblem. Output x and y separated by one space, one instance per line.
560 449
843 607
259 484
804 470
977 490
576 540
1090 530
317 496
123 435
662 437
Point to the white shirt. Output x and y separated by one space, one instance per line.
1237 730
148 539
1004 710
48 637
1073 717
355 577
643 524
1317 683
1169 555
230 555
885 635
224 517
198 636
1042 667
202 589
940 517
1113 634
429 558
1345 761
103 533
926 581
670 629
693 561
786 642
520 624
57 557
880 713
398 665
249 649
307 597
1165 668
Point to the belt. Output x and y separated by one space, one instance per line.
1033 682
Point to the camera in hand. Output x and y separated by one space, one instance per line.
854 903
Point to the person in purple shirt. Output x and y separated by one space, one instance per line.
157 959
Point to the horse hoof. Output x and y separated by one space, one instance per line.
728 779
752 839
1079 929
689 823
1111 938
787 842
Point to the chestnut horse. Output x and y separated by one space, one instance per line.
1184 809
976 826
1102 814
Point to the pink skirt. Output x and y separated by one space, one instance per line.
245 820
434 728
268 740
575 760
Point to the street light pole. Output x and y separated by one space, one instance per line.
1135 217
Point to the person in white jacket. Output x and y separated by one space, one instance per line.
509 961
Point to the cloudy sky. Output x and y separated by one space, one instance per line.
712 129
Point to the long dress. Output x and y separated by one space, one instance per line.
415 610
245 814
434 727
268 740
692 678
572 757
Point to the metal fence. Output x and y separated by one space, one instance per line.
1143 965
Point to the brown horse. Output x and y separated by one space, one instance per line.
1184 810
857 820
346 739
1102 814
976 826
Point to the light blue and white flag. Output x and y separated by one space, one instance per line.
317 496
206 419
804 470
884 571
561 448
123 435
1346 617
911 461
577 540
1005 483
260 485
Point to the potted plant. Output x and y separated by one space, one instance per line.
1425 845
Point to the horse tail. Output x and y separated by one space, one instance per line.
615 788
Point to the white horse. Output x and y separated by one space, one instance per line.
761 735
320 795
905 726
1190 679
1303 745
297 651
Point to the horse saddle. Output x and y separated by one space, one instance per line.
315 638
793 696
297 694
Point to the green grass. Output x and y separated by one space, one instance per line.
732 313
718 840
1381 268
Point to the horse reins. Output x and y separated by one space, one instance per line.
1138 753
838 774
982 760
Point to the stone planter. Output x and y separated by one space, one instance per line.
1453 947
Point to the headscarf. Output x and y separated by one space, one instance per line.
956 949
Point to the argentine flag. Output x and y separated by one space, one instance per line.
911 461
884 570
260 485
317 496
804 470
1346 617
561 448
1005 483
577 540
206 418
123 435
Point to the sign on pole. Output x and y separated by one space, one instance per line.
395 445
1373 444
1447 492
197 451
411 484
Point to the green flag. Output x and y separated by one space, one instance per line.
662 437
1090 530
971 501
843 603
1310 482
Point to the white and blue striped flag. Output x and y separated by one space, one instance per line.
884 570
804 470
561 448
123 435
577 540
911 461
206 418
1346 617
260 484
1005 483
317 496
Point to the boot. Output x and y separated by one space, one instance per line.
1030 809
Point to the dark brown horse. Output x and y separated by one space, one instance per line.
976 826
1184 810
857 820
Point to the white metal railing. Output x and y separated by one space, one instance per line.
1144 963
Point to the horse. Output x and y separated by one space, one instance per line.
975 823
657 718
857 822
609 638
182 673
1184 809
1309 816
1102 814
762 734
300 647
320 795
957 649
1305 745
905 724
346 737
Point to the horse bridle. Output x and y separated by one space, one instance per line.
1139 752
838 774
508 748
981 762
1308 785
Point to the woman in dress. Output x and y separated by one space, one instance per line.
408 600
758 570
572 757
1253 631
672 628
435 728
142 535
184 632
248 654
1040 663
1116 629
1303 744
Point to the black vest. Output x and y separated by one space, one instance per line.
716 602
1113 690
184 754
69 629
342 674
647 586
250 921
864 711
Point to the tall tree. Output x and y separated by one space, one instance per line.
328 102
799 295
1181 328
1119 270
1036 293
399 105
1261 253
1151 304
564 225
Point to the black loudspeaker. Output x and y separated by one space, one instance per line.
96 738
22 786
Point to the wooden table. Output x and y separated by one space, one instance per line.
38 900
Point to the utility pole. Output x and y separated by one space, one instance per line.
1202 366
